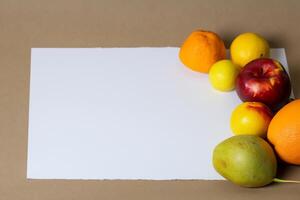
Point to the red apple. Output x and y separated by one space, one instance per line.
264 80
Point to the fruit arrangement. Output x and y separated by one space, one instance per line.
266 126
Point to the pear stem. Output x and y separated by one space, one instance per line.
277 180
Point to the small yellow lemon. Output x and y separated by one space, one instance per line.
247 47
222 75
251 118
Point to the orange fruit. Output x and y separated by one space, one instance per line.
284 132
201 50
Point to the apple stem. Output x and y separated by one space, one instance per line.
277 180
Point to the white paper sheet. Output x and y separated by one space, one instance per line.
123 113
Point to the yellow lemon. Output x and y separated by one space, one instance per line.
247 47
222 75
251 118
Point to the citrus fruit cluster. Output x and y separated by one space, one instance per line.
266 114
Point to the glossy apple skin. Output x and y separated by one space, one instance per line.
264 80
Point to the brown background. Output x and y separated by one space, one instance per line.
82 23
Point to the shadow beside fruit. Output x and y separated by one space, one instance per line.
288 171
295 78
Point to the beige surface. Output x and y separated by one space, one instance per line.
62 23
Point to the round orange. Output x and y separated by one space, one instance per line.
201 50
284 132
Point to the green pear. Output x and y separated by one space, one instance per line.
245 160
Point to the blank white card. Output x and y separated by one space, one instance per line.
123 113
